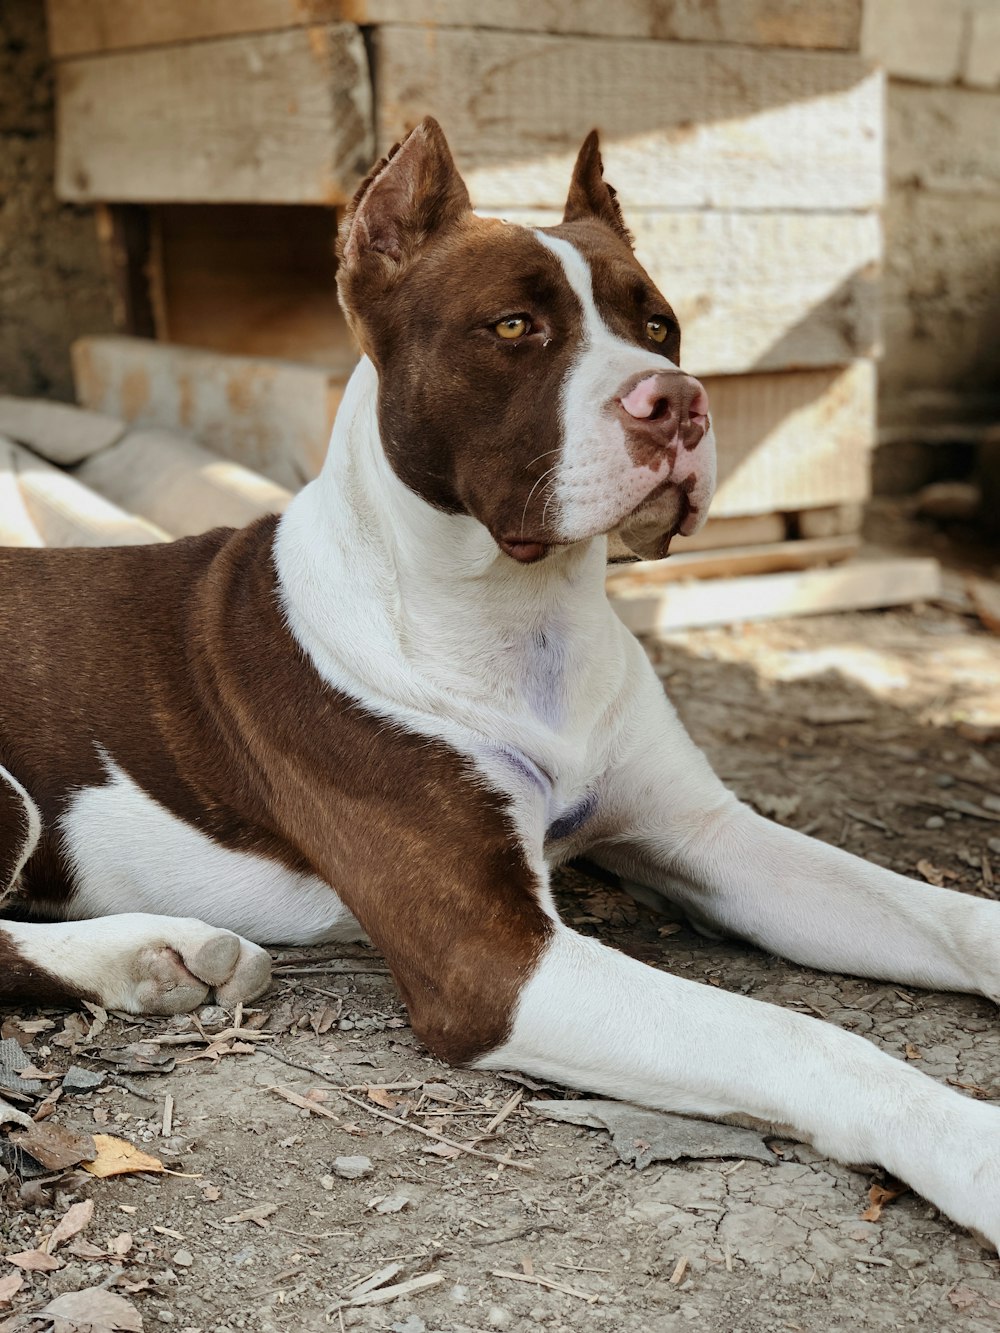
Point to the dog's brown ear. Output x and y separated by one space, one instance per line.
414 191
590 195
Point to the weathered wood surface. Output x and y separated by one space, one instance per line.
944 139
272 416
60 433
79 27
179 486
856 585
793 441
732 562
760 291
683 126
281 117
64 512
252 279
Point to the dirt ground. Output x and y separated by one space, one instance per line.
858 728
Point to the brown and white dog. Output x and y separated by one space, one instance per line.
395 710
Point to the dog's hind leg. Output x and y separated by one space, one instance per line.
20 829
135 962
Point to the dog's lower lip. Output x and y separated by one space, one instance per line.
526 552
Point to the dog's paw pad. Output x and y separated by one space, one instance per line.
250 978
215 960
166 985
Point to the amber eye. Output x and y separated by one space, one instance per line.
656 328
514 326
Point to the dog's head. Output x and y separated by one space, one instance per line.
527 377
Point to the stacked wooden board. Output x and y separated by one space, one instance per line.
745 139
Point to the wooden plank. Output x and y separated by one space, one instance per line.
944 139
179 486
78 27
793 441
60 433
751 530
760 291
858 585
647 576
684 126
272 416
281 117
254 279
66 513
830 521
123 233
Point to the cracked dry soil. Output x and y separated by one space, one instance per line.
850 727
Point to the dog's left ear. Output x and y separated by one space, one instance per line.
413 192
590 195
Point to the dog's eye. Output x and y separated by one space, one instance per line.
657 328
514 326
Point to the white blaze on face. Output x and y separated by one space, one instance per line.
597 483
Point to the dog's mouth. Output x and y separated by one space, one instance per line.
524 550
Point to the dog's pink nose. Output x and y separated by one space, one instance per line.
667 405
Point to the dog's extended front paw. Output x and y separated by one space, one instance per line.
170 965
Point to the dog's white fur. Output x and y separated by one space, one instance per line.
527 671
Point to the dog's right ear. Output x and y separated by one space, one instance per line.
413 192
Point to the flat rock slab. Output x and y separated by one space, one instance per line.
641 1137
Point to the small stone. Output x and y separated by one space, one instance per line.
183 1259
393 1203
413 1324
77 1080
498 1317
213 1016
935 821
994 845
459 1294
907 1258
327 1183
352 1168
944 780
165 1316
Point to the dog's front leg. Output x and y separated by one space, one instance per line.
596 1019
682 834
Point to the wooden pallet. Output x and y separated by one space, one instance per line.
651 600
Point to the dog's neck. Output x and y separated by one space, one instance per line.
394 599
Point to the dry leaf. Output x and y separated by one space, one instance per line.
56 1147
9 1287
913 1052
442 1150
95 1311
76 1220
934 875
382 1098
962 1297
121 1244
35 1261
878 1197
117 1157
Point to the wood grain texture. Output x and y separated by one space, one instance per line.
856 585
79 27
272 416
282 117
683 126
760 291
793 441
